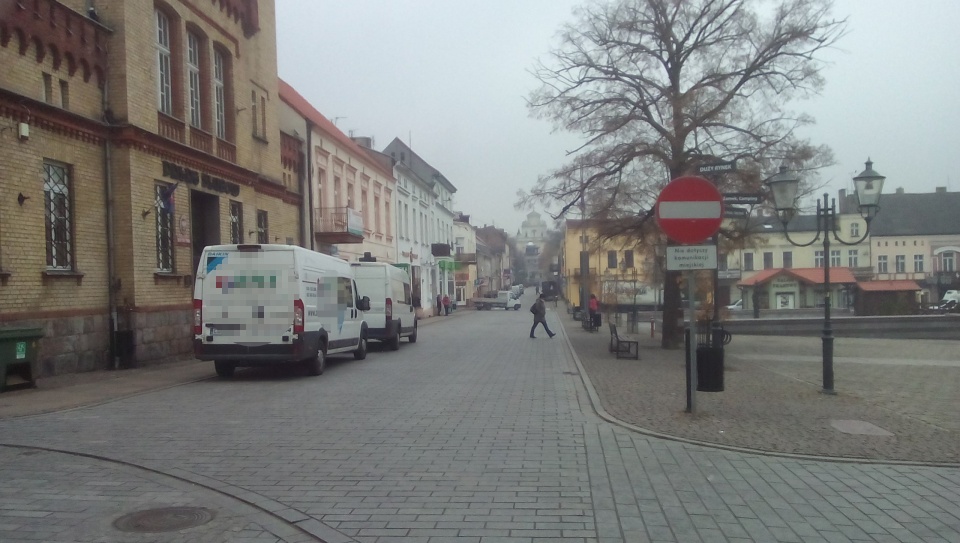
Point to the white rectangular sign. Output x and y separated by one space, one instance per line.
691 257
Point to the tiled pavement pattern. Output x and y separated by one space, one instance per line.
772 398
56 497
479 434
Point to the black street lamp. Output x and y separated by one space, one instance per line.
784 186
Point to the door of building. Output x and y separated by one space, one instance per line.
204 222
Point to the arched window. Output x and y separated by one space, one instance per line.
195 103
220 94
164 68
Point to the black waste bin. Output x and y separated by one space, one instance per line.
710 369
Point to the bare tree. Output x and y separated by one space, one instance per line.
657 87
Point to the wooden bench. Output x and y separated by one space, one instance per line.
621 344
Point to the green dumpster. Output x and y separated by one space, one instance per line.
18 352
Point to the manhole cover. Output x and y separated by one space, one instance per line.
166 519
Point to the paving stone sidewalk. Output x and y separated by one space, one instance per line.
772 400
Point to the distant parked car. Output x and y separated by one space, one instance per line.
736 305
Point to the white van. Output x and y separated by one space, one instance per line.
257 305
391 315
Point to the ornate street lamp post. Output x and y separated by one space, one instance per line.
784 186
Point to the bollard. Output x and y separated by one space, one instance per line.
653 326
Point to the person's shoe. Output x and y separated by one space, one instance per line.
533 337
551 335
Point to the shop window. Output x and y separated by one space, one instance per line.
164 227
236 222
263 233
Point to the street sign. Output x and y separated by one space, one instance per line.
718 167
689 209
731 212
691 257
742 198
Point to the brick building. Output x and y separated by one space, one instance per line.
132 134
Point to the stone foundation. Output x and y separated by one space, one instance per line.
160 336
70 344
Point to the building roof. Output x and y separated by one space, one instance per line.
928 214
402 153
812 276
888 286
300 104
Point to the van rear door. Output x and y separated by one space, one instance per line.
248 295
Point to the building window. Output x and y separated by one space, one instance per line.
376 214
767 261
236 222
364 209
747 261
918 263
220 94
47 88
852 258
164 69
64 94
946 262
611 260
788 259
386 214
254 113
901 263
835 258
882 264
164 227
193 78
59 222
263 234
818 259
628 259
855 230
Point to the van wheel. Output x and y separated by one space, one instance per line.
412 338
224 369
318 363
395 340
361 351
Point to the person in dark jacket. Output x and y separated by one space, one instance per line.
439 305
539 317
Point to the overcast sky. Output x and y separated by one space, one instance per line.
449 77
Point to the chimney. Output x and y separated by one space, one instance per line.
899 190
941 190
842 196
363 141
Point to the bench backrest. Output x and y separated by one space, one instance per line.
613 329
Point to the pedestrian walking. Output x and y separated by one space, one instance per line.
539 317
593 307
439 305
446 305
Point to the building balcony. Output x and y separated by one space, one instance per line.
337 225
440 249
468 258
200 140
170 128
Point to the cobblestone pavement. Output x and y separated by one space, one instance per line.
476 433
772 398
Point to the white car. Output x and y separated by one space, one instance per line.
736 305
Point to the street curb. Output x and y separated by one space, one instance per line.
602 413
272 508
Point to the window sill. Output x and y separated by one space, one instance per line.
261 139
54 275
166 277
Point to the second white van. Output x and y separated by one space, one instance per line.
391 315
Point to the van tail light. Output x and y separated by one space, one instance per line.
388 309
298 316
197 317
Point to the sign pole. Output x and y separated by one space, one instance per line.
691 345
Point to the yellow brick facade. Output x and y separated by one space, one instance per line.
91 100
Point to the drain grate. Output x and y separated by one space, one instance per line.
165 519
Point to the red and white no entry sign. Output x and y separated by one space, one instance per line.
689 209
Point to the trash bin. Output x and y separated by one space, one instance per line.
710 369
18 352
